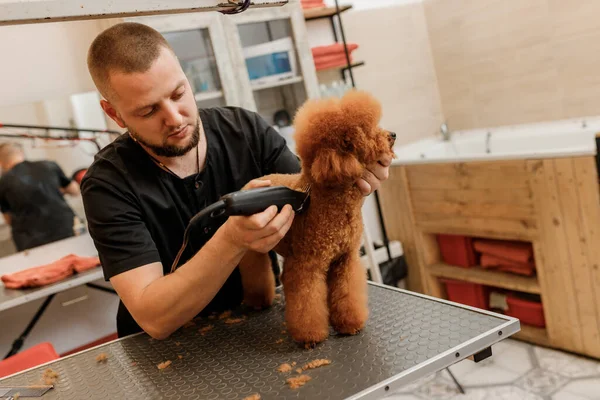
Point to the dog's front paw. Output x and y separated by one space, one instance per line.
349 320
309 338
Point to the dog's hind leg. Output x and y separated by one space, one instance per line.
258 280
348 303
305 289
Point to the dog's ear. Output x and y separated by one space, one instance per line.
331 167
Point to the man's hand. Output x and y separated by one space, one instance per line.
259 232
374 175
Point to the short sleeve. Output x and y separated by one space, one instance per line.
62 178
116 226
276 156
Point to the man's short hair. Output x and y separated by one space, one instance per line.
127 47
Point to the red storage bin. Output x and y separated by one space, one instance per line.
32 357
457 250
529 312
470 294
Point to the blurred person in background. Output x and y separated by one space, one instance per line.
32 199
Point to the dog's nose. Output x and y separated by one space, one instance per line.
392 138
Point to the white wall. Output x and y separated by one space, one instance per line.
44 61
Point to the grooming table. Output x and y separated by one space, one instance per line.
9 298
408 336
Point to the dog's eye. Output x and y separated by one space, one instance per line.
348 144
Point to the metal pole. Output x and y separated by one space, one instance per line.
339 16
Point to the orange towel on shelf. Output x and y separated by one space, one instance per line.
312 3
489 261
513 251
331 63
336 48
49 273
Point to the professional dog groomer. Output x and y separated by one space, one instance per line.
142 190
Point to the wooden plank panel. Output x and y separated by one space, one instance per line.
552 260
534 335
431 209
397 212
472 175
586 179
579 271
523 229
522 197
486 277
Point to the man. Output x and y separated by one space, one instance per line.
143 189
32 201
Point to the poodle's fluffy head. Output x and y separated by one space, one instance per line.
337 138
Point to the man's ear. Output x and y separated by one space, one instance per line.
329 166
112 113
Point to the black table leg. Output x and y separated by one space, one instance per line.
18 343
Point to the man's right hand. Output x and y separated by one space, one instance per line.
260 232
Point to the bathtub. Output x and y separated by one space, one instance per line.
566 138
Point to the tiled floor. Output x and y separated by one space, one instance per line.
516 371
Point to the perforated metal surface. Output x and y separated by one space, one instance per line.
233 361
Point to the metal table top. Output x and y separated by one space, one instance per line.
407 336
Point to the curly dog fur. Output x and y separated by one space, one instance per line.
323 279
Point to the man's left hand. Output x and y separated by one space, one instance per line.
374 175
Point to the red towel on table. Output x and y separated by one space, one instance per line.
49 273
513 251
501 264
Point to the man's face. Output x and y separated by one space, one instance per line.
157 107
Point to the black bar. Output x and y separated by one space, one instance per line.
45 137
458 385
339 17
18 343
334 29
58 128
102 288
482 355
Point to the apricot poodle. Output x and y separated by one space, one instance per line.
323 279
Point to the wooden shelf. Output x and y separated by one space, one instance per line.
484 277
533 334
345 66
327 12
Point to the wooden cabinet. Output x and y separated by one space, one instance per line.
552 203
211 48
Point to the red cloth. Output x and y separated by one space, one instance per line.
501 264
312 3
513 251
331 63
336 48
49 273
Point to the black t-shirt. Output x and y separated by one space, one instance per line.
30 193
137 212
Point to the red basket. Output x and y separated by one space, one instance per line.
457 250
470 294
527 311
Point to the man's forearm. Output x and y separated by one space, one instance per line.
173 300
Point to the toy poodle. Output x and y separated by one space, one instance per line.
324 281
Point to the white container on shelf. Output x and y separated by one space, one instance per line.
271 62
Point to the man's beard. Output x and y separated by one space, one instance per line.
166 150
